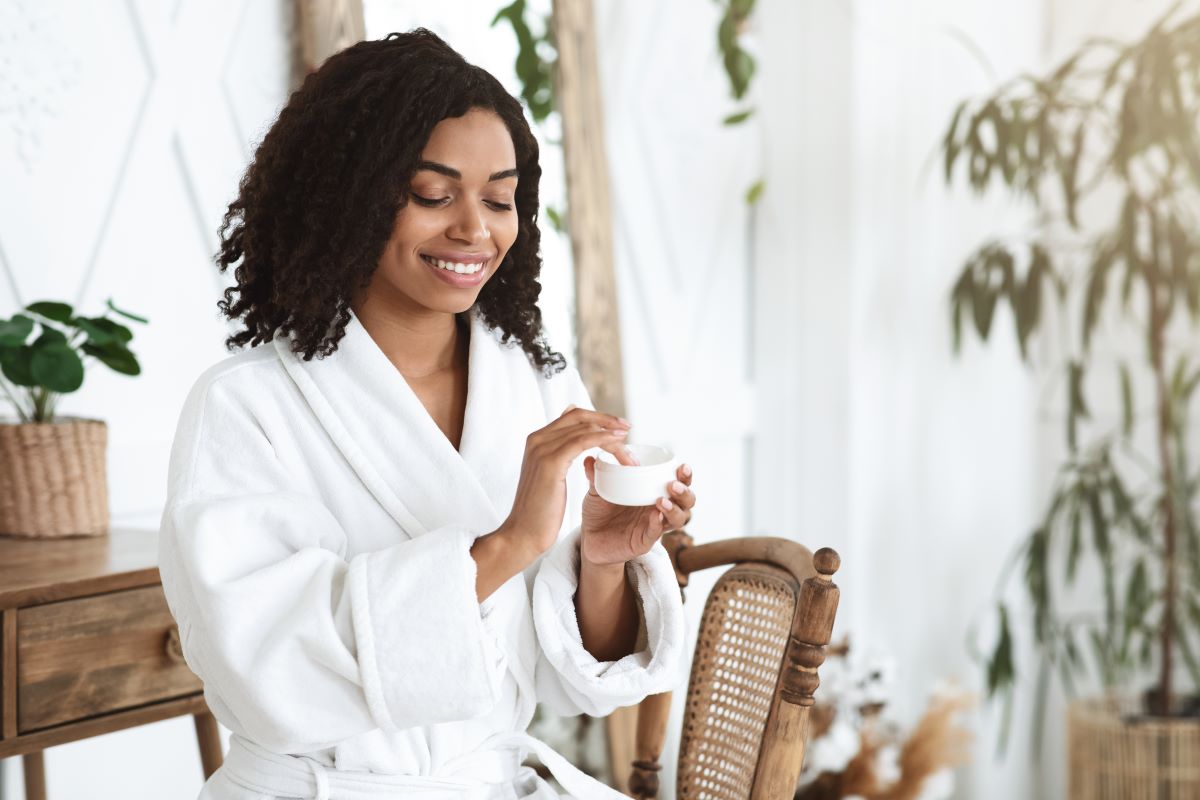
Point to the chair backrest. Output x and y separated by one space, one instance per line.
762 635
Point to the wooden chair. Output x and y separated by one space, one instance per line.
762 636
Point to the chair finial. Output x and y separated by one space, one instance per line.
826 561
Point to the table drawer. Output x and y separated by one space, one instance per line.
92 655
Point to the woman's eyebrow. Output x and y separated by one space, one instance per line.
451 172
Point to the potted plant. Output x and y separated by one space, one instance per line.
1109 136
55 480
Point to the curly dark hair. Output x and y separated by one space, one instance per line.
317 204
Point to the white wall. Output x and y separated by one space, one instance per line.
683 261
923 469
124 127
915 465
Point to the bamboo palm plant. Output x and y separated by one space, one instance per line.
1109 135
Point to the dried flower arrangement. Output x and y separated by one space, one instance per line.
854 752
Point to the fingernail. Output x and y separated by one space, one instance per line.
667 504
624 421
678 487
616 432
687 470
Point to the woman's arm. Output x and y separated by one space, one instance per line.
498 556
606 606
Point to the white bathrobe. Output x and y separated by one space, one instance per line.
315 555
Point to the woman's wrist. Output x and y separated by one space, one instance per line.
521 545
615 570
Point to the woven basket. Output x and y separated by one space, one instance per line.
1115 758
52 478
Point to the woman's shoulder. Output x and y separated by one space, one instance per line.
230 388
243 370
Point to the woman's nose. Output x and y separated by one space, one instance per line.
469 225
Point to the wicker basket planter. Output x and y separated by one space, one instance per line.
54 481
1116 755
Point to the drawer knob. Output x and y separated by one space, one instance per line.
172 645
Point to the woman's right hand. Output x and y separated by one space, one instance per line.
541 496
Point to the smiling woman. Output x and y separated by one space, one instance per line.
372 150
381 543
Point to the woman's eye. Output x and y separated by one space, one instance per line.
500 206
427 201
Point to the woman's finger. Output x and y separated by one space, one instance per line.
681 495
572 416
676 517
684 473
571 445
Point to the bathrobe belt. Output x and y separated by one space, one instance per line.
498 758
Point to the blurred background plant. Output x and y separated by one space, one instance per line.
537 55
44 351
1110 135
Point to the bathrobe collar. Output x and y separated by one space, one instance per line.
394 445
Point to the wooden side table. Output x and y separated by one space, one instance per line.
88 646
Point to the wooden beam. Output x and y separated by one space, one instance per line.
327 26
589 212
589 215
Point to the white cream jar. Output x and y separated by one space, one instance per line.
636 486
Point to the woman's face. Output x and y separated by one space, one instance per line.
459 221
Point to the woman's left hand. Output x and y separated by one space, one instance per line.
614 534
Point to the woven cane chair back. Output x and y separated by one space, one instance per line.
739 654
762 637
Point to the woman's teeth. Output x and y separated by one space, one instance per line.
461 269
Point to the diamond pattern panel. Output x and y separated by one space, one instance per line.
126 125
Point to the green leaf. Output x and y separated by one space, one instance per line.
962 293
57 367
1126 401
738 118
754 193
114 356
990 261
1000 129
95 333
50 336
1097 282
1076 404
115 330
556 219
1036 583
59 312
1102 655
1070 175
1000 670
1027 305
1125 511
1075 546
15 331
951 145
1136 601
1100 538
14 362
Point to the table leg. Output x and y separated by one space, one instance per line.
210 742
35 776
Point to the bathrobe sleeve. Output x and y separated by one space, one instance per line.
569 679
298 647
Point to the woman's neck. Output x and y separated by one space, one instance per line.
420 346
